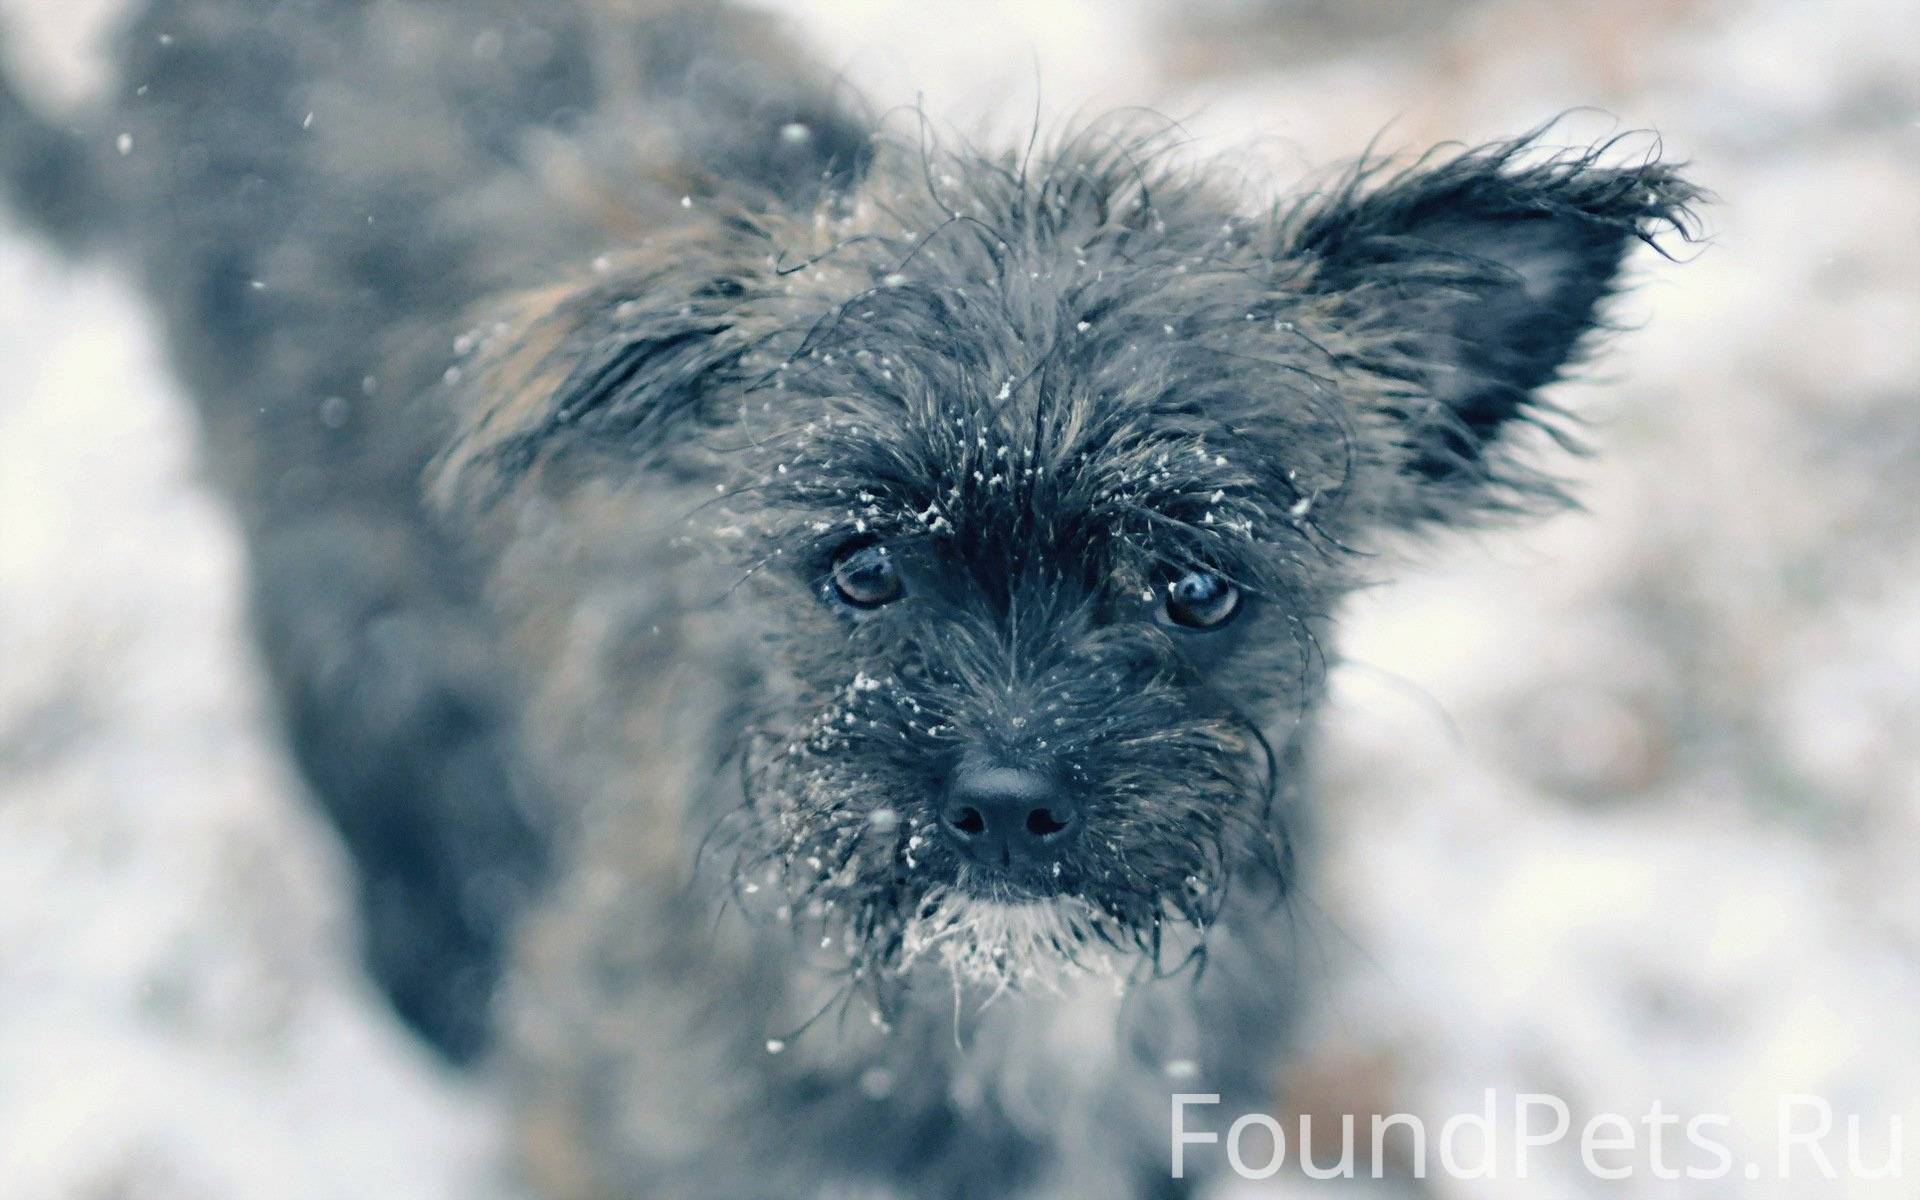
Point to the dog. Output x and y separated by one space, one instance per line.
810 630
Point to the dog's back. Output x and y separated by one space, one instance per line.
321 197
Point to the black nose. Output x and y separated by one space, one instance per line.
1008 817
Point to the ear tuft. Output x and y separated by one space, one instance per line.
620 366
1476 279
751 119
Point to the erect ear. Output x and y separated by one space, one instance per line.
749 113
612 371
1468 283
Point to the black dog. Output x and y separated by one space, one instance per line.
830 618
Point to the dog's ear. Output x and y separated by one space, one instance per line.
750 116
572 379
1469 283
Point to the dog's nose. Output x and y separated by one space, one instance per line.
1008 817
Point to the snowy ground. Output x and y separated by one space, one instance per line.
1624 808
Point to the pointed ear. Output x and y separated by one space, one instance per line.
1470 283
750 116
609 372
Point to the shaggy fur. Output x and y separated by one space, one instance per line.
554 353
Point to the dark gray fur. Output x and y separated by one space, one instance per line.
542 467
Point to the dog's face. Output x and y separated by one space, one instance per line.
1046 575
1044 482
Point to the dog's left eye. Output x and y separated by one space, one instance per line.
1201 600
865 576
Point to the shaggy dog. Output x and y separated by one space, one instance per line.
807 630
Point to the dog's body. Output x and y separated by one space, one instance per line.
685 528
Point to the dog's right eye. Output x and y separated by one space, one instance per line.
1201 600
865 576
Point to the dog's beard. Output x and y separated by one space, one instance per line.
982 941
870 887
1006 945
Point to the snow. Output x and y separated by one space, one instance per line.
179 1010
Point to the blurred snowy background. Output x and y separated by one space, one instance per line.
1624 807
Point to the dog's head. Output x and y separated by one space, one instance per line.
1045 475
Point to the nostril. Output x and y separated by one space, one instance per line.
1007 818
1045 822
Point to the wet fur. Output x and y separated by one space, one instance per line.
549 364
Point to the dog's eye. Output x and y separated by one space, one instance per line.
865 576
1201 600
